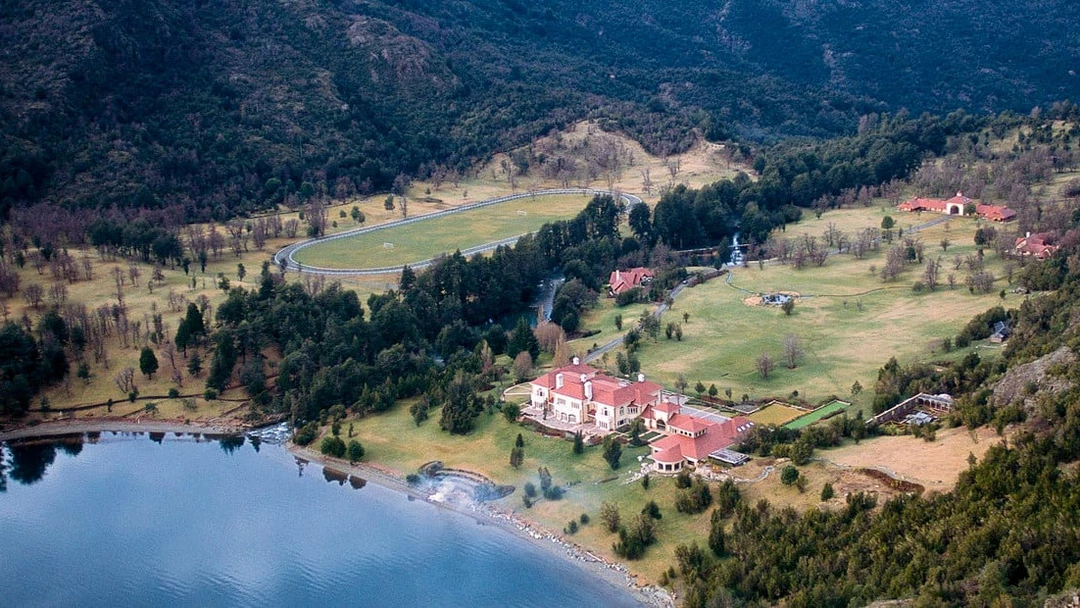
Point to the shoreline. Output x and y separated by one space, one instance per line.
613 573
57 428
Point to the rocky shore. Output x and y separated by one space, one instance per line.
613 573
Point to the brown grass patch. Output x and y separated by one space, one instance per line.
933 465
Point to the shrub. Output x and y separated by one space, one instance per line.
412 479
554 493
333 446
652 510
306 434
572 527
511 411
827 492
584 518
789 475
530 489
694 499
210 394
173 393
682 480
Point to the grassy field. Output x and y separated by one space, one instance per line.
393 440
823 411
426 239
602 317
775 413
848 321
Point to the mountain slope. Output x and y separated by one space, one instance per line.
201 104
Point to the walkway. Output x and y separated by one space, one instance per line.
285 255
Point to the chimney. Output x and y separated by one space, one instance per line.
584 378
617 276
577 360
588 391
558 380
1028 235
641 377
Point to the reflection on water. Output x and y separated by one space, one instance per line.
128 521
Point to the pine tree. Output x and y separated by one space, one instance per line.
612 451
148 363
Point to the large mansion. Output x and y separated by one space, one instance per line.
958 205
580 397
580 394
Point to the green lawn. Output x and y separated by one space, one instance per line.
818 414
849 321
426 239
602 317
393 440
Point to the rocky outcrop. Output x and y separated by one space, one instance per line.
1022 383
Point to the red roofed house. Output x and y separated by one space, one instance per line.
958 205
580 394
625 280
691 440
1040 246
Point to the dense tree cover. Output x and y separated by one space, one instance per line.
27 364
215 108
333 352
796 175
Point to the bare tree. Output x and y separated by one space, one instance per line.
125 379
292 225
88 268
134 273
646 181
33 294
549 335
793 350
58 294
930 275
765 365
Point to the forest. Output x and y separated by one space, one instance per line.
216 109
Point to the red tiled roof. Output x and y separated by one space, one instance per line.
667 450
689 424
923 204
995 213
624 280
718 435
1037 245
667 407
574 390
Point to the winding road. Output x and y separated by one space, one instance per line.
285 255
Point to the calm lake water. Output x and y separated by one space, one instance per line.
129 521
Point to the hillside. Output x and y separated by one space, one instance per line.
225 106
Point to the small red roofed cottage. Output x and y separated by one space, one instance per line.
625 280
1040 246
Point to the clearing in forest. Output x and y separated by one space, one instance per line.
428 238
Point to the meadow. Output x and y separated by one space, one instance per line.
847 320
423 240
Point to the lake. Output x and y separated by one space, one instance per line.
134 521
